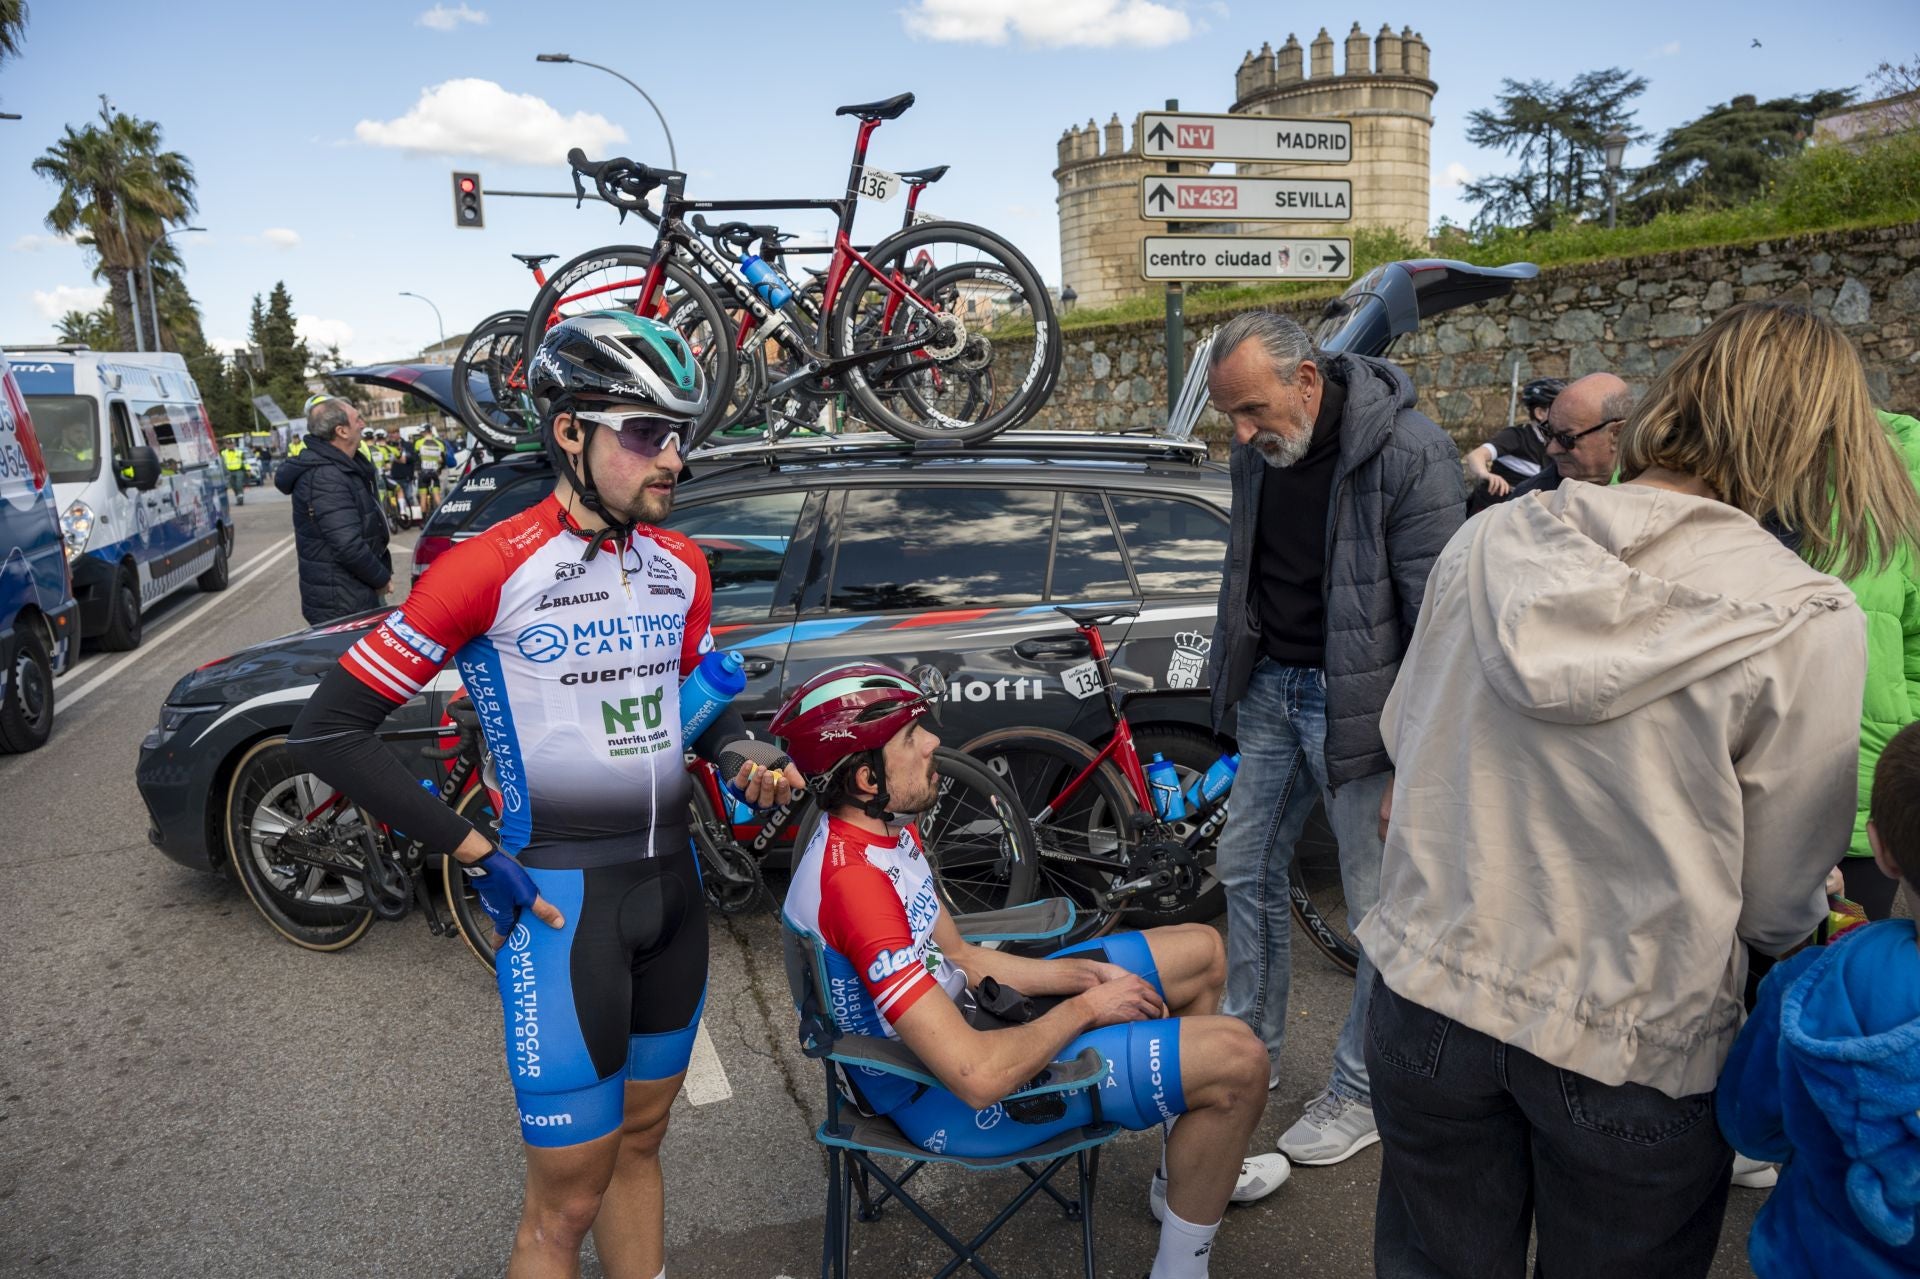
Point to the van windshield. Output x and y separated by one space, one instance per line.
68 428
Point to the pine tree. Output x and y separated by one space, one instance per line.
284 354
1727 155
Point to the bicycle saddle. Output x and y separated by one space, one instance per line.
1090 614
922 177
885 109
532 261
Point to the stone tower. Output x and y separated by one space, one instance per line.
1385 89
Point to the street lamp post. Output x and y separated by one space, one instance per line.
153 293
1616 150
673 160
438 322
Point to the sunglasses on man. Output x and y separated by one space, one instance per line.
642 434
1567 439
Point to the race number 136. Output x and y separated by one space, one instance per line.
878 184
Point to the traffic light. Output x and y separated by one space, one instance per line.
466 201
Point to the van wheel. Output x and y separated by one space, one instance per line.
123 616
215 578
26 714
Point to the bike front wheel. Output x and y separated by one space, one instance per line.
310 906
953 335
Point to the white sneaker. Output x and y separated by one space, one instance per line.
1260 1176
1753 1174
1334 1128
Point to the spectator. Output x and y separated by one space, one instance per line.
1517 453
1826 1075
340 536
1583 433
1343 493
403 468
1890 597
1672 694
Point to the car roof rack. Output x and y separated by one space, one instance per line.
69 348
1144 442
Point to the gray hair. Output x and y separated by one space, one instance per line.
1618 407
327 418
1285 342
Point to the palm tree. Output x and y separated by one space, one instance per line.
13 25
118 190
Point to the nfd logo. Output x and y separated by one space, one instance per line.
626 716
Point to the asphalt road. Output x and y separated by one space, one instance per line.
184 1093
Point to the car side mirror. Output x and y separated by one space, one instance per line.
142 470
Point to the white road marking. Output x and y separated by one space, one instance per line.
706 1077
255 567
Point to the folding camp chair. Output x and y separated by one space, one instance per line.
854 1138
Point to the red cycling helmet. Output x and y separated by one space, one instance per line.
845 710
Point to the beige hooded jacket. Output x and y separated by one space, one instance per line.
1625 738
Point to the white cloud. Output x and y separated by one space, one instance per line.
226 346
1456 175
442 18
1097 24
1667 50
34 243
320 334
62 298
479 118
280 237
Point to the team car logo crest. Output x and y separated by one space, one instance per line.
1189 659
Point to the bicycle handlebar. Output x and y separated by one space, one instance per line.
619 181
742 234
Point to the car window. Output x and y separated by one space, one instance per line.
941 548
488 496
1176 547
745 540
1086 554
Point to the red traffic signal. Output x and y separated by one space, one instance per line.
466 201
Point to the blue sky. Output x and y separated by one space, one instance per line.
321 132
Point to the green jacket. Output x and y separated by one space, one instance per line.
1890 597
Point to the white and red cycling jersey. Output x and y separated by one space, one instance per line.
574 665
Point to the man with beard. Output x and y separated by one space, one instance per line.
1343 494
572 625
899 967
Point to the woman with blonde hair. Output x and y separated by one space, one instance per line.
1625 738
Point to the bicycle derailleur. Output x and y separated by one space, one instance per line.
388 886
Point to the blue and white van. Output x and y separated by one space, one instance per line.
137 476
39 623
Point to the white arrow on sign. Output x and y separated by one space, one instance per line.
1244 257
1185 135
1233 199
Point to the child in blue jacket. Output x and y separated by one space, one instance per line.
1825 1077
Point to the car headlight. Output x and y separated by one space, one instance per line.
76 526
172 720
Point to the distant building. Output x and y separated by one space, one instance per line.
445 352
1864 122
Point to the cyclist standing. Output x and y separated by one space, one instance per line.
433 452
572 624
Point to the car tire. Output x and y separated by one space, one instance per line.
26 712
123 615
216 578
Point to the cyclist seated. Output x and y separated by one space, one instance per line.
573 625
1516 454
899 967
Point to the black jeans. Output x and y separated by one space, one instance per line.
1481 1141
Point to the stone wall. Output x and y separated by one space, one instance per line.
1631 316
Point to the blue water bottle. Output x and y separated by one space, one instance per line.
1163 779
1218 777
720 677
766 281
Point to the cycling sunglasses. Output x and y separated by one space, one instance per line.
1567 439
643 434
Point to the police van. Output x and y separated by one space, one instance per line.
37 617
137 478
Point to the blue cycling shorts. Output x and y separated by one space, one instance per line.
1142 1087
615 995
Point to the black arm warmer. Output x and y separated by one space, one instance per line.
334 739
727 727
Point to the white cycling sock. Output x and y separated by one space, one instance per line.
1184 1249
1166 1135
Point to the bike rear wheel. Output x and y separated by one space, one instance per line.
611 279
977 354
488 378
310 907
1085 842
1318 895
463 903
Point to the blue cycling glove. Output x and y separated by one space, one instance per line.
504 887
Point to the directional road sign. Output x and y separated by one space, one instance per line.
1185 135
1244 257
1232 199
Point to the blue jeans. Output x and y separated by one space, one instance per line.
1283 770
1481 1141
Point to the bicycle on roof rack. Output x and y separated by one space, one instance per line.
942 330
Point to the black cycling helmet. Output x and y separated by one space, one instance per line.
1542 392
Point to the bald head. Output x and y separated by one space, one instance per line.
1598 400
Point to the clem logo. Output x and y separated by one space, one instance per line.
543 643
629 713
889 962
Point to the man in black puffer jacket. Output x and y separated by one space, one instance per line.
339 532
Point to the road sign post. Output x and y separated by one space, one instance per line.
1176 314
1245 257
